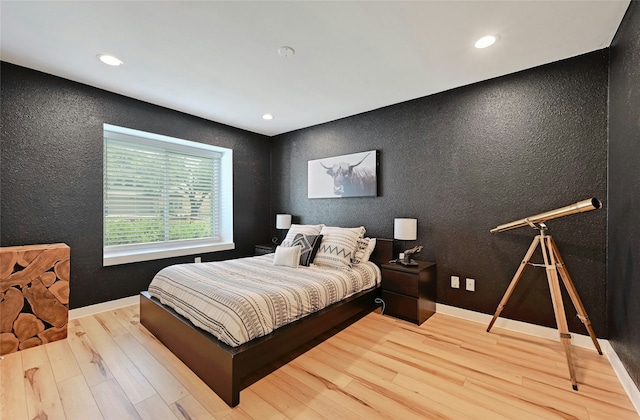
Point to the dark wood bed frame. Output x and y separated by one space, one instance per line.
226 369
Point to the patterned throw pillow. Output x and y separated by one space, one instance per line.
303 229
364 248
338 245
370 248
309 245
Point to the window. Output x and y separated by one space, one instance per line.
164 197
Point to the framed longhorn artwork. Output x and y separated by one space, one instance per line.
354 175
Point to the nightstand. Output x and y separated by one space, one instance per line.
409 292
264 249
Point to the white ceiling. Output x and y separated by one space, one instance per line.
219 60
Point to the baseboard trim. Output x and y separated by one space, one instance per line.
518 326
552 334
625 379
103 307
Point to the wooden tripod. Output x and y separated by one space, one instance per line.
553 264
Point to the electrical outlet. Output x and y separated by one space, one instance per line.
471 285
197 259
455 282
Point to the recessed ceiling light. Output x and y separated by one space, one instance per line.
267 117
109 59
286 51
486 41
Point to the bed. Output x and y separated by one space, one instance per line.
228 369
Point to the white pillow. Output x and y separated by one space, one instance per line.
338 246
302 229
288 256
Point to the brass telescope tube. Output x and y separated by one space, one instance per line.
579 207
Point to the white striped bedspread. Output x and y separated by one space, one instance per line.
239 300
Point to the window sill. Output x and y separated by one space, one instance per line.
111 257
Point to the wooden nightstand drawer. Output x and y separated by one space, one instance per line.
398 282
409 291
400 306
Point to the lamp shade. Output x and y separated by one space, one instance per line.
405 229
283 221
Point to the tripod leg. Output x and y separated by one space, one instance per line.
573 293
515 280
558 307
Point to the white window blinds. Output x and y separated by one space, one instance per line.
160 192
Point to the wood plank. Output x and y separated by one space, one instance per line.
448 330
593 376
525 343
170 389
77 400
237 414
92 365
339 341
454 361
391 404
63 363
513 400
444 398
111 324
322 370
43 400
336 394
189 408
154 408
257 408
129 317
113 402
268 390
407 396
352 366
512 356
595 414
133 383
194 385
413 367
598 364
13 400
351 336
584 396
561 405
308 397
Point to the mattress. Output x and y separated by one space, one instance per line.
242 299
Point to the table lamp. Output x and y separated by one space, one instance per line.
405 229
283 221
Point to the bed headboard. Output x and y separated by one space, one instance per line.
383 252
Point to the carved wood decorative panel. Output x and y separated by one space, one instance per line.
34 295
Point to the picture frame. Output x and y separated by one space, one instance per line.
344 176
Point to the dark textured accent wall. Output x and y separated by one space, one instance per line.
624 193
467 160
52 175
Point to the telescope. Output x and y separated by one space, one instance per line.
579 207
556 271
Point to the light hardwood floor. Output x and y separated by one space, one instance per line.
110 367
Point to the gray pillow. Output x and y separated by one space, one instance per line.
309 245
